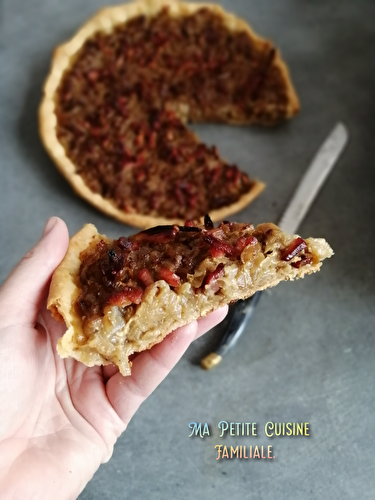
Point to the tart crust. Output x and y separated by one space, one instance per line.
163 309
104 21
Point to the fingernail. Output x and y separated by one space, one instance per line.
50 225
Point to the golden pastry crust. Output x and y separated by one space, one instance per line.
164 308
105 20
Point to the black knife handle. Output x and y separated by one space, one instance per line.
231 328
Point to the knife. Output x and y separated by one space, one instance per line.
240 313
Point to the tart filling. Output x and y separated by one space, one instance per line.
123 99
129 293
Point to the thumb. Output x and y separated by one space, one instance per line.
23 291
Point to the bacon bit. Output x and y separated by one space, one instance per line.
152 141
212 64
170 115
189 223
95 131
169 135
171 278
218 233
214 275
158 234
217 252
303 262
126 244
140 140
175 156
119 61
93 75
229 173
225 247
119 300
293 249
126 297
141 159
193 201
141 175
130 52
186 186
122 100
244 241
145 276
219 245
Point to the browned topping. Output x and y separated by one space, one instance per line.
171 278
218 245
122 105
118 272
128 296
145 276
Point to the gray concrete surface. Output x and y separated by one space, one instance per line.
309 353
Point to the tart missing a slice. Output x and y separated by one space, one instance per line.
119 95
118 297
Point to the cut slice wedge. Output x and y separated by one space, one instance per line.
119 297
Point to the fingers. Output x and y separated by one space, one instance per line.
150 367
207 322
204 325
148 370
23 291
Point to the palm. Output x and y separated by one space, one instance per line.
59 421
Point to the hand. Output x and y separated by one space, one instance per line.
60 419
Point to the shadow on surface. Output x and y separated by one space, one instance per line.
27 132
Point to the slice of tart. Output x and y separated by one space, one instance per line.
119 95
119 297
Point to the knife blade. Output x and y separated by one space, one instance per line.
322 164
310 184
